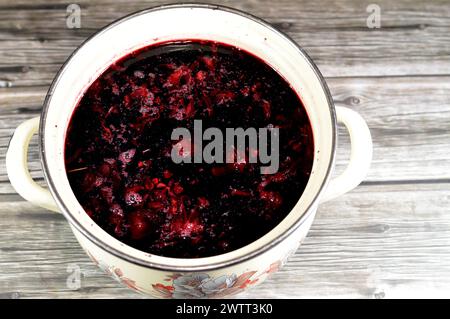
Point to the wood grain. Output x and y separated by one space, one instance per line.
414 38
388 238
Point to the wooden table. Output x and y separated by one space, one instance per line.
390 237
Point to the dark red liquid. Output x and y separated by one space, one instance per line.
119 141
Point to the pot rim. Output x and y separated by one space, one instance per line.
224 263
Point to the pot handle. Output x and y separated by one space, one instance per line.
17 167
360 156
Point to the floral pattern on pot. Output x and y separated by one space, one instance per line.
117 274
193 285
202 285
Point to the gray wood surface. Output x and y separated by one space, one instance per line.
388 238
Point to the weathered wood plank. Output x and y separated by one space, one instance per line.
409 119
414 38
388 242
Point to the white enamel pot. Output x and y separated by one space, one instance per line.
210 277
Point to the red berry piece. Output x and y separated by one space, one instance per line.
240 193
186 228
88 182
107 194
127 101
267 108
116 217
218 171
190 110
224 245
107 134
273 199
245 91
139 74
104 169
201 76
133 198
115 89
167 174
148 184
224 97
203 202
177 188
127 156
209 62
161 185
139 226
155 206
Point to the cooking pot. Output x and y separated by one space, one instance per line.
210 277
